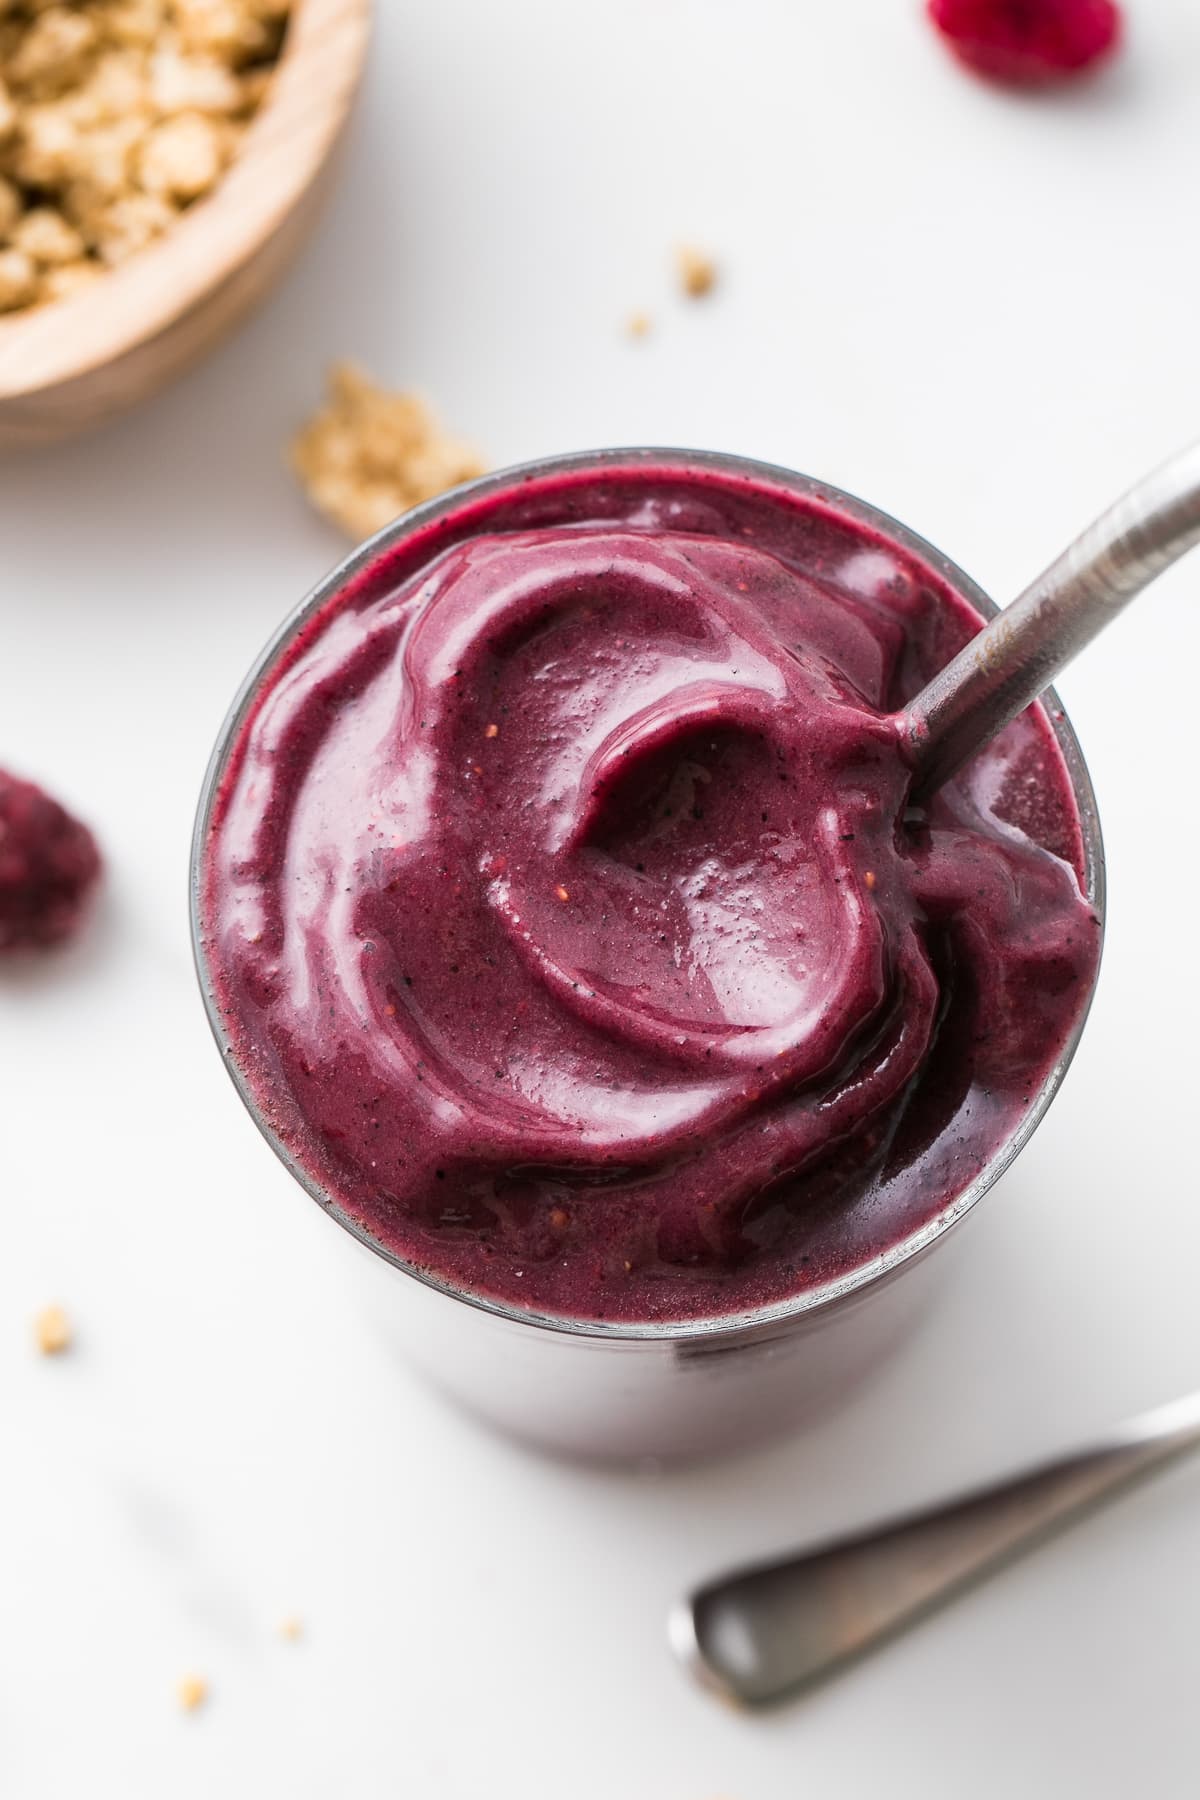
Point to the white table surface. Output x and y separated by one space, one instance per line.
979 312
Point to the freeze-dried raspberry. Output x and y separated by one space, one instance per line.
1029 43
48 867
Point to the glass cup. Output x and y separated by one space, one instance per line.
635 1390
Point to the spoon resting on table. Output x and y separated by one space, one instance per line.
760 1634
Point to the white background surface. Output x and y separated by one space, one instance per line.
979 312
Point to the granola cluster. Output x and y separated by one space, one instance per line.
115 115
369 455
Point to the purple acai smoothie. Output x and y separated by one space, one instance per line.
570 922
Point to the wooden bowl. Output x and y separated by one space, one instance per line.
73 363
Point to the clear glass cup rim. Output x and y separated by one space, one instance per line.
799 1308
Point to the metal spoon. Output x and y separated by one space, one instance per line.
763 1632
760 1633
1018 655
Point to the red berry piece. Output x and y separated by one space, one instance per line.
48 867
1028 43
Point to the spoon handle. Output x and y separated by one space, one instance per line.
1017 656
760 1633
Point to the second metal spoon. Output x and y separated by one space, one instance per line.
760 1633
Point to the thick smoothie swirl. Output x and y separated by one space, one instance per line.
570 923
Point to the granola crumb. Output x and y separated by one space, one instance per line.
639 325
18 280
870 879
697 271
192 1691
292 1628
69 278
493 731
181 158
11 205
52 1329
43 234
369 455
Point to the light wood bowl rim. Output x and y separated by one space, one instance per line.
284 150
